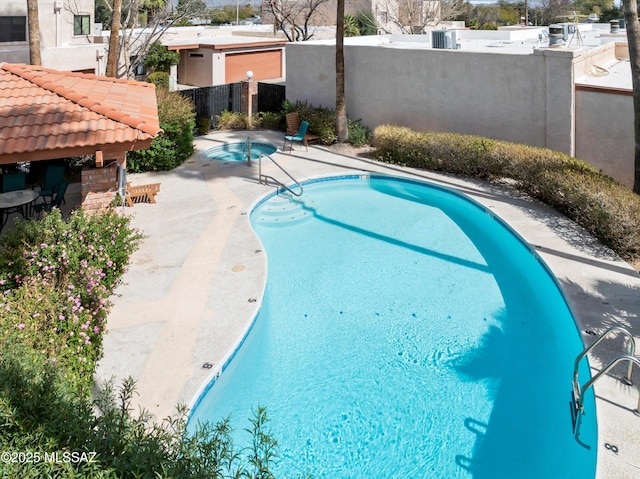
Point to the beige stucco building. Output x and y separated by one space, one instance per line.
509 85
67 38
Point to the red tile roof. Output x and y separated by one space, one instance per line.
47 114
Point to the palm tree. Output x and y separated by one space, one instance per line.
34 32
112 58
633 40
341 107
151 7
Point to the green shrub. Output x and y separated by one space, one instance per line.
159 79
160 59
203 126
270 120
41 414
608 210
359 135
175 143
322 122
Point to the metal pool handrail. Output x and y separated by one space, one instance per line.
613 329
578 391
266 177
247 149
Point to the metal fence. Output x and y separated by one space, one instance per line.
210 101
270 97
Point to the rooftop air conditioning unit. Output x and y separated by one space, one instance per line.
443 39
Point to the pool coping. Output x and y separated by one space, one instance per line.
600 289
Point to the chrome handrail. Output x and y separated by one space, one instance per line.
579 391
261 176
632 348
632 360
247 149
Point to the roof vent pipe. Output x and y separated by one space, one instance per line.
615 25
556 35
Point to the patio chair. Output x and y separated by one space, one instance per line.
293 122
53 176
13 182
299 137
58 192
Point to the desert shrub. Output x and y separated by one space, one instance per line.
159 79
270 120
322 122
359 135
228 120
203 126
608 210
175 143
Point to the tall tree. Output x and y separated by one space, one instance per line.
295 17
341 106
417 16
114 37
633 40
128 44
34 32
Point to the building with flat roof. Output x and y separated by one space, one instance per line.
67 38
571 93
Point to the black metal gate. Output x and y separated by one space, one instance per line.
210 101
270 97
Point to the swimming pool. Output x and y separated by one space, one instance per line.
405 332
238 151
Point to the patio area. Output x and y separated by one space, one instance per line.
195 284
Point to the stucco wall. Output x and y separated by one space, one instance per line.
513 97
604 131
57 41
197 70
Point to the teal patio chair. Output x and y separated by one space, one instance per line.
58 192
13 182
299 137
53 176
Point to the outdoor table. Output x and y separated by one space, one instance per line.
16 201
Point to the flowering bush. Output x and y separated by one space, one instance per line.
56 277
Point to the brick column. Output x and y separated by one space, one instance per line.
99 187
249 100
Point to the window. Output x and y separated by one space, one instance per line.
13 29
81 25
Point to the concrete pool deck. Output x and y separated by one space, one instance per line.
196 282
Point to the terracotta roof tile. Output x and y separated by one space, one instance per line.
43 110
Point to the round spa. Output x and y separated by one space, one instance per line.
239 151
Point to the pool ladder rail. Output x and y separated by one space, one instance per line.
578 391
264 179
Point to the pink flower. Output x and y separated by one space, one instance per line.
21 326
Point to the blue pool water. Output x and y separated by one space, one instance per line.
405 332
238 151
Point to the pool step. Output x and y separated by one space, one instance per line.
286 209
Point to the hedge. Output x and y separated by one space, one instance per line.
605 208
